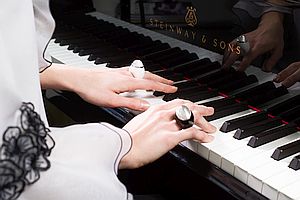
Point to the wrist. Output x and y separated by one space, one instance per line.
272 17
58 76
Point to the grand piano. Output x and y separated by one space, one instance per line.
255 154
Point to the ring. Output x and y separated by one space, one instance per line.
184 117
137 69
244 44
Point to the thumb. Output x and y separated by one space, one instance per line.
131 103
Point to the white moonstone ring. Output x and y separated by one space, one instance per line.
137 69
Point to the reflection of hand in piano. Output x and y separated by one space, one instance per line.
266 38
234 95
102 86
157 128
290 75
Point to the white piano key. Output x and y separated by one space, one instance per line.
267 167
237 158
274 184
290 192
223 142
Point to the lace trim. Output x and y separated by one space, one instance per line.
24 153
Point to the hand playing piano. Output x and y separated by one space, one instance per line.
102 86
155 132
267 39
290 75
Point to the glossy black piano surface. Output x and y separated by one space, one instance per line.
181 174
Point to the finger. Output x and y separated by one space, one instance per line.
201 110
144 84
292 79
131 103
171 105
194 134
271 62
286 72
230 59
205 125
246 61
154 77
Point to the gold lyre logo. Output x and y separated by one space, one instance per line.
190 17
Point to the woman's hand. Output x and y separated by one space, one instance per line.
102 86
267 38
155 132
290 75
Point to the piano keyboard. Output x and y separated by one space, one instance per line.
258 139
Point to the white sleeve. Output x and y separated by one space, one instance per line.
84 164
44 25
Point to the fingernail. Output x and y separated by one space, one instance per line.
210 138
145 105
276 79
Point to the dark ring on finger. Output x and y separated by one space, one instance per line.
184 117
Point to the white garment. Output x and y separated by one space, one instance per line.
85 159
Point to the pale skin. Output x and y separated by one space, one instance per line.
102 86
153 132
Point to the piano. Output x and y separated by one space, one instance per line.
256 151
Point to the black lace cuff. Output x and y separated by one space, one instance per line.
24 153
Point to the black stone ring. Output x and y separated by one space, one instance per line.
184 117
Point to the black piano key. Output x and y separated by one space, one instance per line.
214 75
150 66
238 84
175 77
110 56
283 106
202 95
232 109
161 53
69 34
256 128
89 46
253 91
272 134
75 45
295 163
180 86
201 70
153 49
297 121
78 40
286 150
143 45
219 103
102 50
216 83
189 65
233 124
164 59
180 60
186 84
268 95
164 73
183 92
291 114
